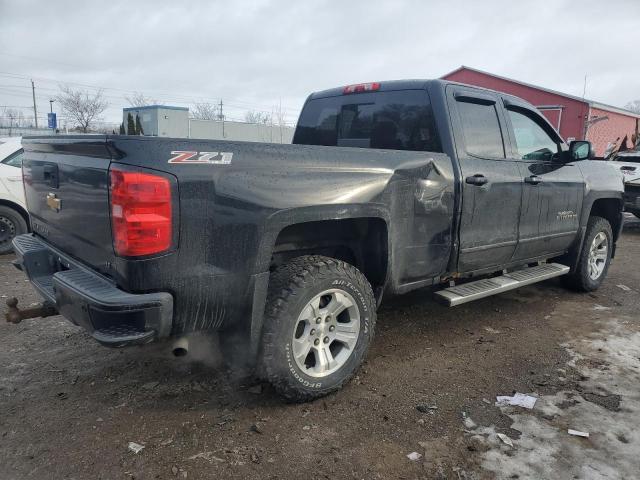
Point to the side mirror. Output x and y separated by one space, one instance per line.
579 150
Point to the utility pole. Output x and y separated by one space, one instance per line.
280 118
35 111
221 117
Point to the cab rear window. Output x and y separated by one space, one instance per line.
398 120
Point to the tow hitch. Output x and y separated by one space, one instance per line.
15 315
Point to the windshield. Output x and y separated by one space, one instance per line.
398 120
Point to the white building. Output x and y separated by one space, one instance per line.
159 120
167 121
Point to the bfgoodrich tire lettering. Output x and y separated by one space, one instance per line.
291 288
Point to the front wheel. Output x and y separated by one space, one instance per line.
595 256
319 322
11 224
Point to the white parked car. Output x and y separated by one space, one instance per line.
629 164
13 211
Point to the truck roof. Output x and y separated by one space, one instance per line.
386 85
412 84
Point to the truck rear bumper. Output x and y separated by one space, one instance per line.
112 316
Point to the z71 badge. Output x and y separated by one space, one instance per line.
210 158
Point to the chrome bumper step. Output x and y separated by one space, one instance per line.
471 291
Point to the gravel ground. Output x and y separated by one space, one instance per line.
69 407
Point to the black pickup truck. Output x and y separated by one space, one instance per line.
287 250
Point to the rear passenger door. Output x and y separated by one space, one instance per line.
491 182
553 189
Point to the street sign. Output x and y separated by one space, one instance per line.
53 121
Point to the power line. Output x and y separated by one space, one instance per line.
124 97
117 99
174 95
118 95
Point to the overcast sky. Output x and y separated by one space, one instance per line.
255 55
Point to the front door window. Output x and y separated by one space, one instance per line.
532 141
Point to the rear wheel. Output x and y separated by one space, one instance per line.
595 256
11 224
319 322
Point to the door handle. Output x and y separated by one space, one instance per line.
533 180
477 179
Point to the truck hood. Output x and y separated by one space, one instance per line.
629 164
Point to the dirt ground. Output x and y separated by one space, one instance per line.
69 407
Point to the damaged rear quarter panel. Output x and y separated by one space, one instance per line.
230 215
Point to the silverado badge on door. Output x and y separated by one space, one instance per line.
54 202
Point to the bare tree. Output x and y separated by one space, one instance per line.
205 111
8 117
12 117
633 106
80 106
252 116
138 99
280 117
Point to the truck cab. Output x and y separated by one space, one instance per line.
517 193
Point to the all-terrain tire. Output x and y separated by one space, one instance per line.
291 287
580 279
11 224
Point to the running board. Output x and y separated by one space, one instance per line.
471 291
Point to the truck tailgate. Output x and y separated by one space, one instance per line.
67 194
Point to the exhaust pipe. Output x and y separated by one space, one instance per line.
181 347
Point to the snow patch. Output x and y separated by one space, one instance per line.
611 364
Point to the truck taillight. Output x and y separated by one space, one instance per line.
140 213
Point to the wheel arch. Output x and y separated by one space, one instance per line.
18 208
606 206
611 210
357 234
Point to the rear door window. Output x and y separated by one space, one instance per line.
481 127
398 120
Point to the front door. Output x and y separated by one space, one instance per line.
491 182
553 189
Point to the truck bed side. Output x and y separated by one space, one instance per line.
235 208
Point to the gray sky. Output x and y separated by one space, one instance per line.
255 55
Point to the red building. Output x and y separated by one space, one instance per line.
574 117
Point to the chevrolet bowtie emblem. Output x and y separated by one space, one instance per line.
53 202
